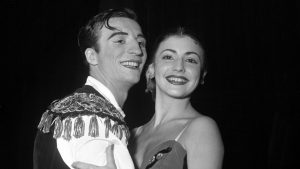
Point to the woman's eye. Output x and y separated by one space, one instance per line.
190 60
167 57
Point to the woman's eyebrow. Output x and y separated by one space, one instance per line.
190 53
170 50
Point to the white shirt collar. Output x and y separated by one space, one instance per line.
104 91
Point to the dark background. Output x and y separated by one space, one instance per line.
252 88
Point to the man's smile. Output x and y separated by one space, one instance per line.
132 64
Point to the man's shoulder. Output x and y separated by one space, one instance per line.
87 89
85 101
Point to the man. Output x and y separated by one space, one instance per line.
82 125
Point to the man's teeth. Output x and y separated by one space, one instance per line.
130 64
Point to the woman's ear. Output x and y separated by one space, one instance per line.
91 56
150 79
150 72
203 77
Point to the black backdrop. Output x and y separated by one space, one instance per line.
251 89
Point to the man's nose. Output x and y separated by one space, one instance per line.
136 49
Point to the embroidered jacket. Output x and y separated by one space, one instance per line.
81 103
84 115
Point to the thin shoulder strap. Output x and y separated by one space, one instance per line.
138 130
178 136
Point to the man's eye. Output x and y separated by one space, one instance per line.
190 60
142 44
120 41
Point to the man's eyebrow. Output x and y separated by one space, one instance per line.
141 36
117 33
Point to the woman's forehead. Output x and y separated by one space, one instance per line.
180 43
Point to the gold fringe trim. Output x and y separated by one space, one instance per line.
81 102
58 128
64 128
107 126
94 127
67 129
45 122
78 127
114 128
120 132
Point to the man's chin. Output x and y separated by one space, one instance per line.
134 80
131 77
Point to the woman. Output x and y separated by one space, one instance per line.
177 135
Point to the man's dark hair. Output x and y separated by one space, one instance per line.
89 34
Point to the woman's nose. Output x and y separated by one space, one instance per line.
179 65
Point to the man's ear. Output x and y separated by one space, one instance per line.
91 56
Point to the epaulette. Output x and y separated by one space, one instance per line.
61 112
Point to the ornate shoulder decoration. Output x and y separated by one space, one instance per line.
62 113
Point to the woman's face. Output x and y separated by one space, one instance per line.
177 66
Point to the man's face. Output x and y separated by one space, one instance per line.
122 52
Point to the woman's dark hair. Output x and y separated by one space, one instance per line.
89 34
179 32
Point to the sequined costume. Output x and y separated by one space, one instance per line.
79 127
167 155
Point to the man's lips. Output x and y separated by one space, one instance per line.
132 64
177 80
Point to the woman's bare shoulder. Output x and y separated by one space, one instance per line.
202 128
202 122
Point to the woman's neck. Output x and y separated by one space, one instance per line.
169 108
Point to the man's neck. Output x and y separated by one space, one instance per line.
120 93
119 90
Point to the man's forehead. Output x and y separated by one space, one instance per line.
122 24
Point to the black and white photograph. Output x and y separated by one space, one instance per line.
150 84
